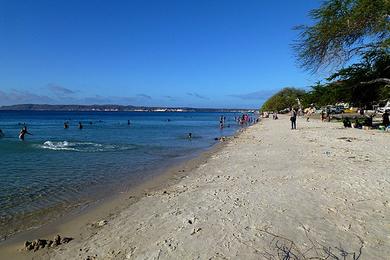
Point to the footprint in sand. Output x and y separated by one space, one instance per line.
170 244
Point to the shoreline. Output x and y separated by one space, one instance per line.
320 191
79 220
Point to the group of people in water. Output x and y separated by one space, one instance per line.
23 132
245 119
222 120
79 125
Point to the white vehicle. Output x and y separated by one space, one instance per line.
385 108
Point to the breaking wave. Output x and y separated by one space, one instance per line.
84 146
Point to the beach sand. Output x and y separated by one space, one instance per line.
319 191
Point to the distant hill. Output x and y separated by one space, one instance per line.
115 108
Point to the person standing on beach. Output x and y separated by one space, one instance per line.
293 119
275 115
322 115
385 119
23 132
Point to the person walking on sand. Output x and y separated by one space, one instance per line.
385 119
293 119
23 132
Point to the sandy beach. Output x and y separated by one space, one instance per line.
268 193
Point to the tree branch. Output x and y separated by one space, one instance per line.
378 80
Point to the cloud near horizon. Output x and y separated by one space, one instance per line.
17 97
61 95
194 94
144 96
169 97
257 95
60 90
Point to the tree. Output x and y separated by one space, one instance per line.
327 94
343 29
360 84
285 98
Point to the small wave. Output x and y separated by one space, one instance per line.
65 145
84 146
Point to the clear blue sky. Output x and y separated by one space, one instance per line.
199 53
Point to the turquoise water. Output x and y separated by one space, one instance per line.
56 165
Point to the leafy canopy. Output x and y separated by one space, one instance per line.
362 84
342 29
285 98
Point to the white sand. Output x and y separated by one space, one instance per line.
269 192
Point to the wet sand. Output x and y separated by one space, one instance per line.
270 192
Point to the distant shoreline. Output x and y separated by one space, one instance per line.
116 108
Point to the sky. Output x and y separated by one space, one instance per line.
194 53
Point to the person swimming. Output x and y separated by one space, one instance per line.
80 125
1 133
66 125
128 122
221 124
23 132
189 135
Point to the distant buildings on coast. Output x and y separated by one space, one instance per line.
116 108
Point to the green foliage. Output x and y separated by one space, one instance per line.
348 84
285 98
342 29
355 84
325 94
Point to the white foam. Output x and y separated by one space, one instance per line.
83 146
65 145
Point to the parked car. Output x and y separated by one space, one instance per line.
340 109
334 109
384 108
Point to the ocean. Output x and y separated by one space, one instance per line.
55 169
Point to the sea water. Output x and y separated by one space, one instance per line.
55 166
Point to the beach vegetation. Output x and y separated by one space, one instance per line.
362 84
285 98
354 37
343 29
